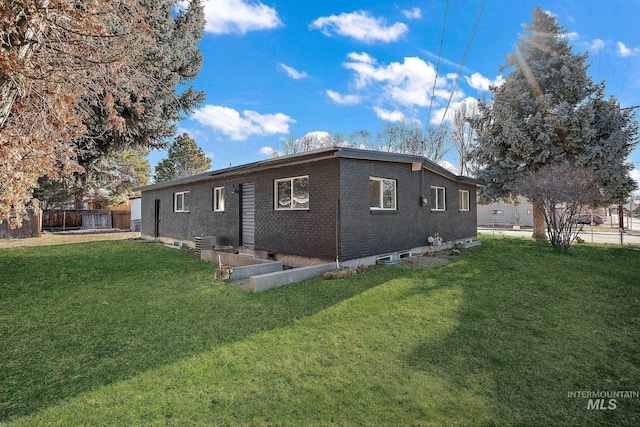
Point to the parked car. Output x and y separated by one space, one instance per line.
586 219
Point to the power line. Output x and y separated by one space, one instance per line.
464 58
435 79
624 80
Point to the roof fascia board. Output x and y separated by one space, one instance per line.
276 162
427 164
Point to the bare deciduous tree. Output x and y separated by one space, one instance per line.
59 60
437 143
560 192
408 138
462 134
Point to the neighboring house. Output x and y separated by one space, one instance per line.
333 203
136 212
501 214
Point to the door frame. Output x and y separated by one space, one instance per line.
156 218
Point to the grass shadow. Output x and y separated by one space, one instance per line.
74 318
534 324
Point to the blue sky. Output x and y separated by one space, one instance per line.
278 68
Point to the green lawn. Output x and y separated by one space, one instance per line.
130 333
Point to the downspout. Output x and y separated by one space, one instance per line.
338 234
422 186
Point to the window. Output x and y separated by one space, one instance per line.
440 203
464 200
292 193
218 199
382 193
180 201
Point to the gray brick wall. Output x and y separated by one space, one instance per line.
200 220
312 232
366 232
309 233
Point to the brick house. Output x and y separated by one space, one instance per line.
333 203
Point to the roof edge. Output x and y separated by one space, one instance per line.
314 155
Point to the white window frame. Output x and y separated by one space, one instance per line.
436 199
276 203
183 204
380 206
218 199
464 197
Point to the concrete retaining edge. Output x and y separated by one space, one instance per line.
278 279
246 271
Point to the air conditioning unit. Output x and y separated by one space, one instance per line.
205 243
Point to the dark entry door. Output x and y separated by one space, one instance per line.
156 218
248 213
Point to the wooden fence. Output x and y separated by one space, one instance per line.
121 220
30 226
54 219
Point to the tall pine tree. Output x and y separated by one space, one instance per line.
549 111
172 59
184 158
61 60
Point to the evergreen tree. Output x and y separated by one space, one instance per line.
60 60
114 177
184 158
148 117
169 61
549 111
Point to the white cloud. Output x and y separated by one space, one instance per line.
635 175
293 73
229 122
414 13
318 134
596 46
624 51
270 151
239 16
480 82
436 117
449 166
361 26
361 57
343 99
553 15
409 83
269 124
445 61
389 116
573 36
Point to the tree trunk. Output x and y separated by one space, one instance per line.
539 225
621 216
78 196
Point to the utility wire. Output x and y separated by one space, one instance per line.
435 79
624 80
464 58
